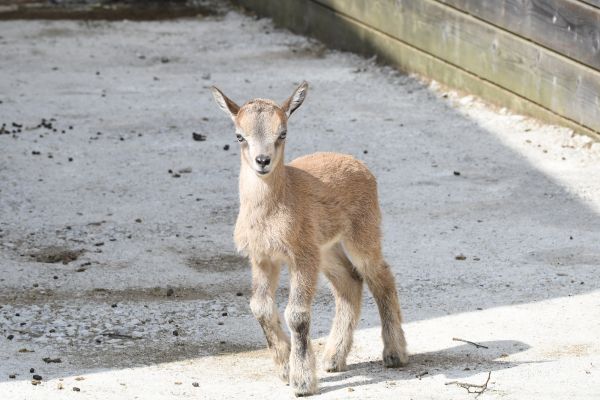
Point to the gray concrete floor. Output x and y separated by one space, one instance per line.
518 199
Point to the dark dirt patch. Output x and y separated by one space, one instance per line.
114 10
152 353
218 263
56 254
312 49
114 296
569 256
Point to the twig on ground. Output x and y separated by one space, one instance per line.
116 335
468 341
422 374
478 389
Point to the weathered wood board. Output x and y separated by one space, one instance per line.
455 48
568 27
595 3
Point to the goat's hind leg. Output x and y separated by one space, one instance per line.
366 256
265 277
381 283
347 289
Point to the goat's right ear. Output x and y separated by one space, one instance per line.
224 102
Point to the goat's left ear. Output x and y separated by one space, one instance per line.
296 99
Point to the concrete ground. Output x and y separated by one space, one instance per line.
123 275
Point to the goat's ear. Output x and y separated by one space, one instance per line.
224 102
296 99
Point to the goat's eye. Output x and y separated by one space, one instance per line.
282 135
240 138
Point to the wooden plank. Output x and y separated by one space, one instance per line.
518 65
308 17
568 27
595 3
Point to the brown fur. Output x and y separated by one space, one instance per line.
318 213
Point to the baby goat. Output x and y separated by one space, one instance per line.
318 213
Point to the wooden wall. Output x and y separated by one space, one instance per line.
537 57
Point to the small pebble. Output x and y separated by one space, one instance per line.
37 377
138 220
170 292
175 333
10 337
456 173
76 389
31 370
195 384
226 147
239 294
198 137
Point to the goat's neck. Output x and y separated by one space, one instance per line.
262 193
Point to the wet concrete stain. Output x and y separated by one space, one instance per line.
56 254
218 263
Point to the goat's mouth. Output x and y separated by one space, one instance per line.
262 172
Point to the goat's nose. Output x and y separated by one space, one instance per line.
263 160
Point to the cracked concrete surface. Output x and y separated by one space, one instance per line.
128 273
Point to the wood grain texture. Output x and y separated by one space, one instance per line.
568 27
595 3
339 31
520 66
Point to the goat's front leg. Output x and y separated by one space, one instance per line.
265 276
303 280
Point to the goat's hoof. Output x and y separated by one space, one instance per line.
307 388
395 359
304 393
333 365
